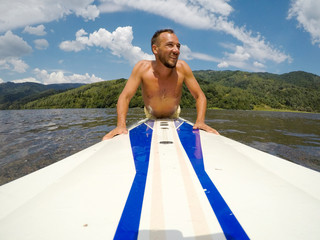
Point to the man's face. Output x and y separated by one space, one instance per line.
168 50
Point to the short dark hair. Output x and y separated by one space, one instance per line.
155 36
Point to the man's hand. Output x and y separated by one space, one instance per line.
205 127
114 132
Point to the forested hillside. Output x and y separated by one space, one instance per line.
224 89
96 95
14 95
241 90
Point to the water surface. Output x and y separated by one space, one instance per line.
32 139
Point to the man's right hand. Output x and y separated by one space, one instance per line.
115 132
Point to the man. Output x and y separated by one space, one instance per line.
161 84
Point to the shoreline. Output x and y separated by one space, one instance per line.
257 109
262 109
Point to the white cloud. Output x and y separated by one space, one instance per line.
12 47
218 6
77 78
209 15
23 80
251 56
4 64
223 64
197 14
110 7
45 77
241 58
119 42
41 44
241 54
1 80
13 64
187 54
70 46
91 12
190 13
39 30
75 45
18 65
21 13
307 13
258 64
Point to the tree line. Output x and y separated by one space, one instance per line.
296 91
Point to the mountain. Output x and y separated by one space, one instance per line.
96 95
294 91
243 90
13 95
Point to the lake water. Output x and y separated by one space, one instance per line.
32 139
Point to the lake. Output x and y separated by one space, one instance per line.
32 139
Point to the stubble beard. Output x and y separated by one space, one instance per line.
166 63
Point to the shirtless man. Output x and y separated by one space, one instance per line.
161 84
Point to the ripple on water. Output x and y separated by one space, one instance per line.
32 139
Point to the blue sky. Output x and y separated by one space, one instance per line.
59 41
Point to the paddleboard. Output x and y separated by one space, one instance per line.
164 180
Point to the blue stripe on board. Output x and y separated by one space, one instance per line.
140 138
190 140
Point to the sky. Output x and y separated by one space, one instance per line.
86 41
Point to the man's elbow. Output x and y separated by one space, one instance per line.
200 97
124 98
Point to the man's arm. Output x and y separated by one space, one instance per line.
201 100
124 100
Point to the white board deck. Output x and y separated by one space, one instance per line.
164 181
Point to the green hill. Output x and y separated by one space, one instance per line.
298 91
95 95
14 95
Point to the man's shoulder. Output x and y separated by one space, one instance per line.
141 68
143 64
181 63
183 66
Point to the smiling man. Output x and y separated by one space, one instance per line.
161 82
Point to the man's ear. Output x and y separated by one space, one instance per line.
154 49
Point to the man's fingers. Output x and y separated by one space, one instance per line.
206 128
214 131
114 133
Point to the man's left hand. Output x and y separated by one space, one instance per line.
205 127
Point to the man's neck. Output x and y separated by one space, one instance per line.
161 70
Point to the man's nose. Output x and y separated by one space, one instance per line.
176 50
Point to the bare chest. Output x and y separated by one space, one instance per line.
155 87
